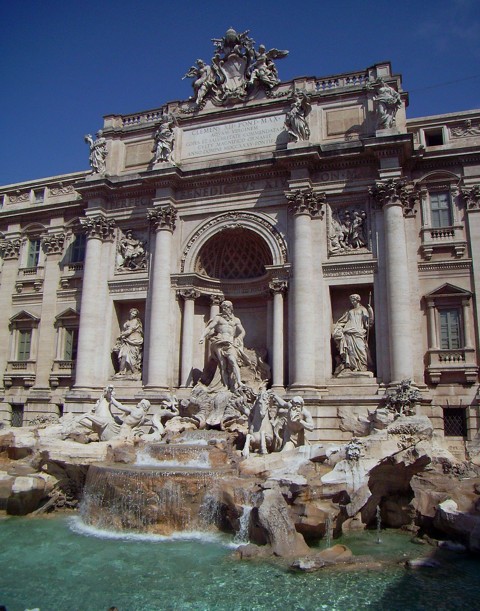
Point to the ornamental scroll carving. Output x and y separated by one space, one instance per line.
467 130
53 244
164 217
10 248
98 227
306 201
232 220
19 198
471 196
397 191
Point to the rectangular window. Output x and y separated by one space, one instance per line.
70 353
441 209
78 248
38 196
450 329
17 414
454 422
434 137
33 253
24 344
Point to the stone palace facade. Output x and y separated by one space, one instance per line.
283 198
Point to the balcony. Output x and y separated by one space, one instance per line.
30 278
22 372
452 366
62 371
440 238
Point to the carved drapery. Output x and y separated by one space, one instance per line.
471 196
53 243
98 227
163 217
397 191
306 201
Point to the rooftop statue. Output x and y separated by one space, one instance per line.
236 70
296 120
387 103
98 153
164 139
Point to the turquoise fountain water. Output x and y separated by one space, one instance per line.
58 564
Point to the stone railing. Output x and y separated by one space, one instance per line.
31 272
460 362
344 80
145 117
22 371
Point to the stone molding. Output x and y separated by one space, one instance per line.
278 286
98 227
128 286
10 248
354 268
163 218
306 201
216 299
396 192
53 243
471 196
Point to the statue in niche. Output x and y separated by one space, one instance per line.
348 230
204 79
128 347
225 333
387 102
164 140
350 334
296 120
98 153
131 253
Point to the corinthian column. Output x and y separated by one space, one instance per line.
90 371
163 219
189 296
278 288
396 199
304 204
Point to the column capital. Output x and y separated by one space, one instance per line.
163 217
98 227
278 285
471 196
306 201
216 300
53 243
10 248
188 294
396 192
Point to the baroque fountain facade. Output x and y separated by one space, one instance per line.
257 304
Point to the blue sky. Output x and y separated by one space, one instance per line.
64 63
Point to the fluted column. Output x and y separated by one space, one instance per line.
189 296
278 288
304 204
397 199
89 371
163 220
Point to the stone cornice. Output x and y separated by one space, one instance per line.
306 201
163 217
350 268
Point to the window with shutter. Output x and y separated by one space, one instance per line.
450 333
440 209
33 253
24 344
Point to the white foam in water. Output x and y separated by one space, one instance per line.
79 527
145 460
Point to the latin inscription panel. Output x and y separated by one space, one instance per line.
263 132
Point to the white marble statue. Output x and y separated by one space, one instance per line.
204 79
387 103
164 140
129 346
350 334
260 434
98 152
296 119
292 420
225 333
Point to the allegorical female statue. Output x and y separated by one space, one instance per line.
350 334
129 346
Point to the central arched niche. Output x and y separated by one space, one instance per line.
234 254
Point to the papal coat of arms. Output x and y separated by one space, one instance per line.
236 70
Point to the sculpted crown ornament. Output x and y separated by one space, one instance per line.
98 227
164 217
397 191
306 201
471 196
237 69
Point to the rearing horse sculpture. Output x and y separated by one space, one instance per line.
260 430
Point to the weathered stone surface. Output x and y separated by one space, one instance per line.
463 526
337 553
26 494
274 517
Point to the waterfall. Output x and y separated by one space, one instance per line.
379 523
328 531
242 534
